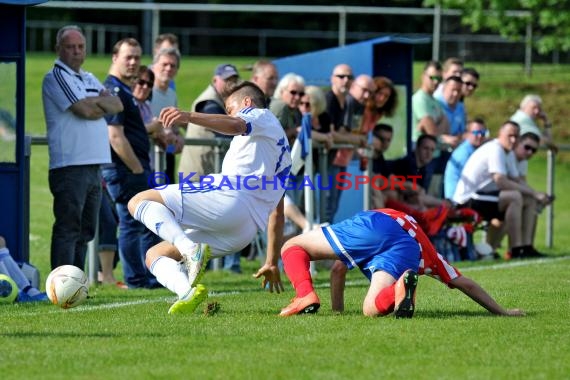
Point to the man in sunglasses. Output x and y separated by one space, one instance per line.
473 138
428 116
490 185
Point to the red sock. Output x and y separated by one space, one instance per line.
296 265
385 300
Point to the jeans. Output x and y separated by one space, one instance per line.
76 197
134 238
232 262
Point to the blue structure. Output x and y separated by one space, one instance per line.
391 57
14 188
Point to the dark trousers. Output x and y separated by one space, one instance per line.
76 194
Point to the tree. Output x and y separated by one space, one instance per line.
550 19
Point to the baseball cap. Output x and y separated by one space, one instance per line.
226 71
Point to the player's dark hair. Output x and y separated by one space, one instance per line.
530 135
247 88
382 127
470 71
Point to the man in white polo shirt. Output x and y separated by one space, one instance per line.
489 185
74 105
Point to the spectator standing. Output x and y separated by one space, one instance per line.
264 74
475 136
128 174
165 41
452 67
454 110
285 104
427 115
166 63
349 132
528 114
74 103
200 159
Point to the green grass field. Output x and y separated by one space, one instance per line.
128 334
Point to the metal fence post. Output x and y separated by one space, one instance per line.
550 191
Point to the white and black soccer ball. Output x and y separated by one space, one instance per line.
67 286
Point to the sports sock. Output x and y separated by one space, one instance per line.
12 269
385 300
296 264
167 272
160 220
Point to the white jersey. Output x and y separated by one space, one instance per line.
254 165
477 175
72 140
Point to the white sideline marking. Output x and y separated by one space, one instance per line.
116 305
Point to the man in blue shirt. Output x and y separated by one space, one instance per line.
475 136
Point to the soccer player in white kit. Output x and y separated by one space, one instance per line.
222 213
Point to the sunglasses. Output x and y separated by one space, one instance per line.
471 84
142 82
529 148
306 104
295 93
481 132
436 78
343 76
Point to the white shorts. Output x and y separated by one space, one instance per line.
215 217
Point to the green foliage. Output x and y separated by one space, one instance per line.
550 19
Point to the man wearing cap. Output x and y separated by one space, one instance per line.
200 159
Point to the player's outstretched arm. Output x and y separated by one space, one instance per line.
479 295
270 270
227 125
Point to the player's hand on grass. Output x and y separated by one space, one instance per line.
271 276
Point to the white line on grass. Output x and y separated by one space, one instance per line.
116 305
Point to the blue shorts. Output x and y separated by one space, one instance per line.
373 241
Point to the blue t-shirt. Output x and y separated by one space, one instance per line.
455 116
130 118
455 166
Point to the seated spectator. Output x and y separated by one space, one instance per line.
381 140
528 114
475 136
489 185
26 292
525 148
417 163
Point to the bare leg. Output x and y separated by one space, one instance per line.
380 280
106 258
337 282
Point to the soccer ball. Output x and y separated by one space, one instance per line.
8 289
67 286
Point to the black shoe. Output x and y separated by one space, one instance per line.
405 296
531 252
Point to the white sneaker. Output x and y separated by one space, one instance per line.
190 301
195 262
